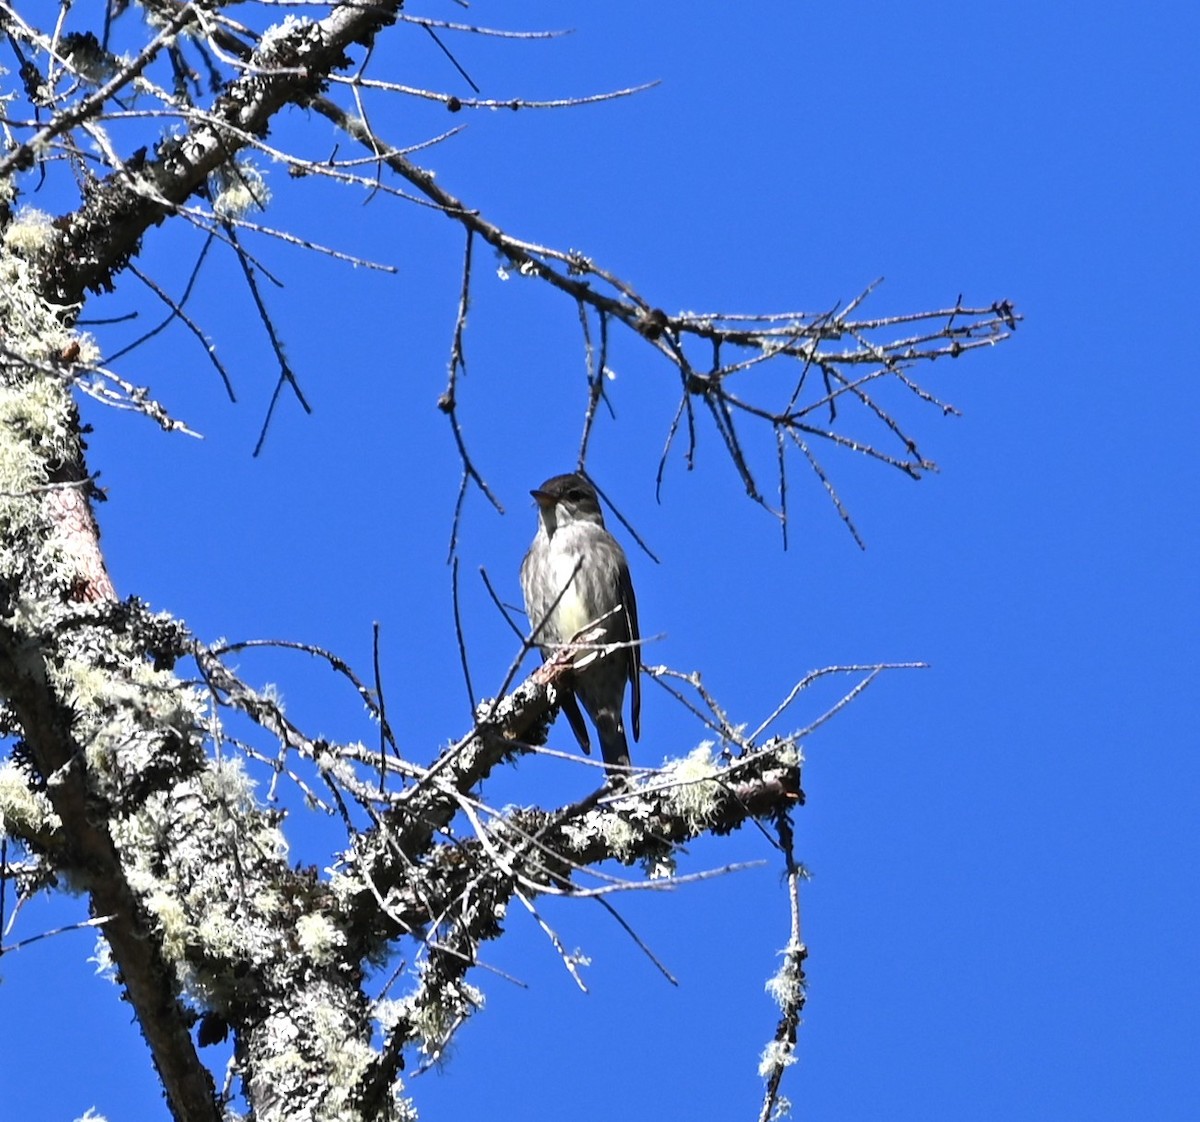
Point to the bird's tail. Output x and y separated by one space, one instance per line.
613 745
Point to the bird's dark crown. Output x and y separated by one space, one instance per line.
573 491
572 487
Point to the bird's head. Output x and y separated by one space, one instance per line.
566 499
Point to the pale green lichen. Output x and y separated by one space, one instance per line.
220 934
342 885
172 921
131 709
23 812
35 417
238 187
694 792
347 1059
283 1067
36 435
620 837
319 939
355 126
288 27
227 780
198 899
29 324
30 233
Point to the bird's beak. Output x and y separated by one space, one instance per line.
543 499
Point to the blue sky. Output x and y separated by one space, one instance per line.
1003 847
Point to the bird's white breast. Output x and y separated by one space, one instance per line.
570 615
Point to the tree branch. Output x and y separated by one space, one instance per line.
287 68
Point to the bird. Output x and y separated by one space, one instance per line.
575 578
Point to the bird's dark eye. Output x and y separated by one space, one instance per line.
576 494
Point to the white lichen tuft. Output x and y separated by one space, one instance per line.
789 754
660 866
227 781
346 1059
315 1051
776 1056
355 125
286 28
222 934
782 1109
403 1106
199 900
106 966
786 986
388 1011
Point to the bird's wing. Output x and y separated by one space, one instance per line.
634 653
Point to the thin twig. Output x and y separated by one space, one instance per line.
80 926
384 731
503 608
448 402
286 375
458 632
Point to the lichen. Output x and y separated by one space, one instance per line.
23 812
172 919
37 415
434 1009
106 967
36 420
313 1044
786 985
319 939
619 836
30 325
129 709
30 233
238 187
693 791
789 754
776 1056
